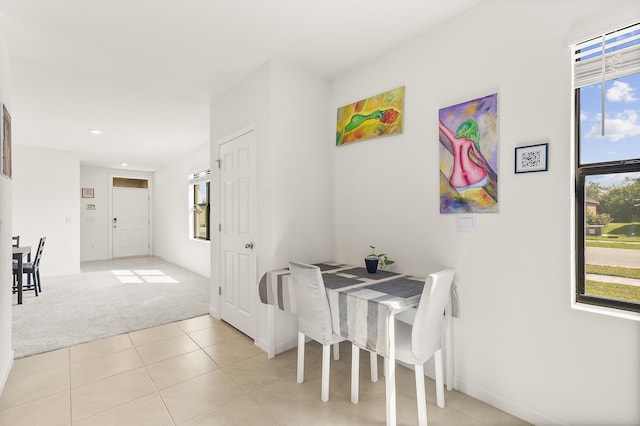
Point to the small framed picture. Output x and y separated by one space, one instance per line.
532 158
87 192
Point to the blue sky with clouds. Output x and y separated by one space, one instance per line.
622 120
621 140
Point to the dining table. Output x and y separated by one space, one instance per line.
363 309
19 255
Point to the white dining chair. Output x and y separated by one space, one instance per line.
314 319
418 337
418 334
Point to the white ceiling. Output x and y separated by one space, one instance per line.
145 71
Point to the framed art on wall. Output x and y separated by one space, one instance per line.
87 192
379 115
468 143
531 158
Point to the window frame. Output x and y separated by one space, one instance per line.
207 207
196 179
581 172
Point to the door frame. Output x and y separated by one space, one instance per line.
216 218
131 175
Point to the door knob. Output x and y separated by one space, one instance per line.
249 245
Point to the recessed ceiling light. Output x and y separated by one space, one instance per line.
124 164
95 131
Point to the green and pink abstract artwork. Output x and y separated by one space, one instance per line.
468 134
379 115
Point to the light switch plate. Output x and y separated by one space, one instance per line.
465 223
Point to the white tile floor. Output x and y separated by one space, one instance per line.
202 371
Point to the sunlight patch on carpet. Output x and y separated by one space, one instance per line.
159 280
149 272
128 279
154 276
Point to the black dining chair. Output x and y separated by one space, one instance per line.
15 242
32 269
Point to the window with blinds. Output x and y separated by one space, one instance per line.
202 175
606 84
608 56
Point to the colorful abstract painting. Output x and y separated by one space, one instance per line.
379 115
469 156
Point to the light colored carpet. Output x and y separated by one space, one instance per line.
108 298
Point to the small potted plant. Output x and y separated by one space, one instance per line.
373 260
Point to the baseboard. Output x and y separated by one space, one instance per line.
5 372
214 312
262 344
515 409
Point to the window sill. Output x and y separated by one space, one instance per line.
634 316
200 240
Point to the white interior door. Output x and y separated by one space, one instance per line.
237 255
130 222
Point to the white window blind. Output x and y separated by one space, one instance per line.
201 176
609 56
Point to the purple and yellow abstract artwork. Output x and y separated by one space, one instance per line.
469 156
378 115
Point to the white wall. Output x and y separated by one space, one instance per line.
518 343
95 225
245 106
171 213
301 170
6 278
287 108
46 186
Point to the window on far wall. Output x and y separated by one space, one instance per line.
199 185
607 122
